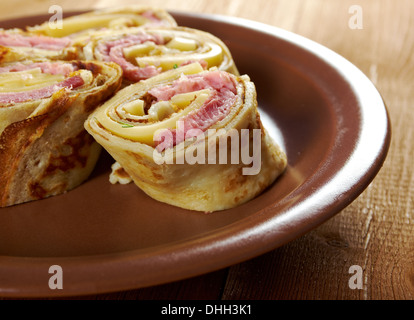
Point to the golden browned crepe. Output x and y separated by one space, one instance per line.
144 53
168 134
44 149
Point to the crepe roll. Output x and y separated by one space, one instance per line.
44 149
191 138
144 53
17 45
80 27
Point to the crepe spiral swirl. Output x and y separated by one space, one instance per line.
157 119
144 53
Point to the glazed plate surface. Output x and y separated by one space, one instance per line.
322 110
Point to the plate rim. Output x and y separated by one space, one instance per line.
199 247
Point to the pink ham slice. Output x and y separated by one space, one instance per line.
113 51
46 92
46 67
217 80
215 109
33 41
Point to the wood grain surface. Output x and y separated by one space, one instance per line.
376 231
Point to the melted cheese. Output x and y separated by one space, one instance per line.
27 80
144 133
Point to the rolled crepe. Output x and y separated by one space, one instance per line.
144 53
170 135
80 27
17 45
44 149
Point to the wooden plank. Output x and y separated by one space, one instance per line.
375 232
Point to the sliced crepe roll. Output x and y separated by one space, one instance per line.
144 53
17 45
171 134
44 149
81 26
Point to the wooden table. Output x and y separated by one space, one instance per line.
375 231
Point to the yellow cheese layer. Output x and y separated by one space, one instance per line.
144 133
27 80
212 54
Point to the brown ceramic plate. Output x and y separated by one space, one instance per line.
325 113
